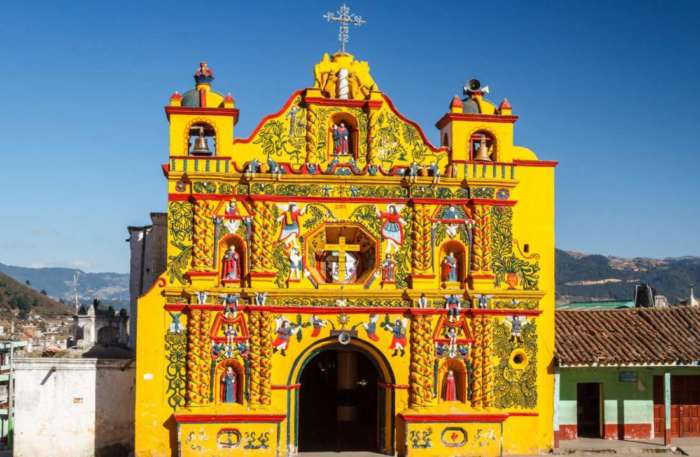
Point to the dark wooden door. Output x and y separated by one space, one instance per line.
685 406
588 410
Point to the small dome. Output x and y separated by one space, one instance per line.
470 106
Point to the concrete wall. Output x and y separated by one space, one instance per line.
628 403
73 407
148 250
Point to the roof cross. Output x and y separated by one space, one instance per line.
345 18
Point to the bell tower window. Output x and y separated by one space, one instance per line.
201 140
482 146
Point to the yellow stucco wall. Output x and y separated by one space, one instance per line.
501 227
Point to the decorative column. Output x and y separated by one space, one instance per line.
372 130
422 360
264 228
203 242
198 358
480 273
311 134
477 354
260 355
422 260
487 362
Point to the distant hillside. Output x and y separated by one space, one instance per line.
16 297
111 288
585 277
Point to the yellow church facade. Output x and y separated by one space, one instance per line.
336 282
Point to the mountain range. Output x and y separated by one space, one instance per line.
21 300
112 289
579 277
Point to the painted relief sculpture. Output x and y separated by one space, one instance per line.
335 272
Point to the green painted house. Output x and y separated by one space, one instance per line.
629 373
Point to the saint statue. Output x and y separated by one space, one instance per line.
450 393
231 268
294 264
449 268
228 386
341 139
388 269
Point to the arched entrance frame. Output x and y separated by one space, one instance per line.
386 396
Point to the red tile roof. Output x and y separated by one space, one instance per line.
628 336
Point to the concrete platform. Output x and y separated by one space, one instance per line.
593 446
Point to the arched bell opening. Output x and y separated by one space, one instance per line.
201 140
482 146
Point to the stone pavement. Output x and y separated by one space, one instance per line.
592 446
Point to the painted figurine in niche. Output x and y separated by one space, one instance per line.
231 334
516 328
453 305
231 269
450 392
398 336
482 301
228 386
388 269
451 342
294 264
422 301
449 268
231 305
341 139
290 225
392 228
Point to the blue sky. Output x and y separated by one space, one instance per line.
609 89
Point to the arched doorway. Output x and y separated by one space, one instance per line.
342 404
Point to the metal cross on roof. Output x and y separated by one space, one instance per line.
344 18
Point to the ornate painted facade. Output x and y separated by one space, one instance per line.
336 238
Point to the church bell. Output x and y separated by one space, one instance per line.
201 145
482 154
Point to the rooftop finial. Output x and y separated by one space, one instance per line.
344 17
204 74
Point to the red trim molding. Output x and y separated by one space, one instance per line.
535 163
354 310
201 274
423 418
267 118
227 418
232 112
262 274
449 117
373 104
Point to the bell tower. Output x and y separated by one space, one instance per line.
201 120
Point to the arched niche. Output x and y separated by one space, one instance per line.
201 137
487 138
220 385
235 242
459 371
339 121
459 256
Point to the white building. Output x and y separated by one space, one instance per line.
73 407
